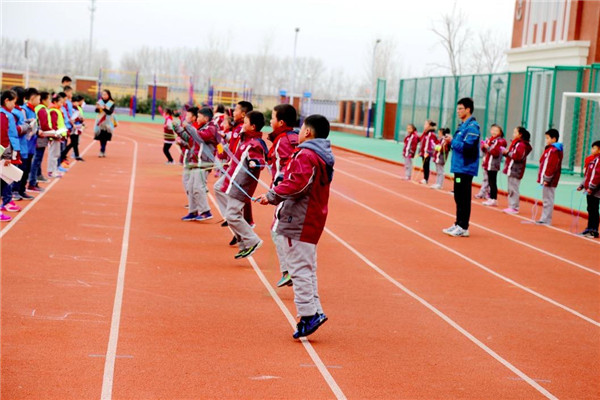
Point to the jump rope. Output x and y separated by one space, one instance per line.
575 216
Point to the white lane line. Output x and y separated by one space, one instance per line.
337 391
111 351
583 267
37 198
470 260
476 203
447 319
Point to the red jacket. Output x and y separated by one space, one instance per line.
4 140
591 179
493 154
410 145
440 156
250 150
516 158
169 134
284 144
550 165
234 140
428 142
302 196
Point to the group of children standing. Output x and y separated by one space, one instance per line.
494 149
301 169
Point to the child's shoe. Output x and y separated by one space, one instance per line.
62 169
435 186
309 325
510 211
480 196
250 250
490 203
35 188
286 280
190 217
224 224
16 196
204 216
4 217
79 158
11 207
25 196
233 241
540 222
423 182
590 233
42 178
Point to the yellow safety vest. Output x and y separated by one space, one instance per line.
60 121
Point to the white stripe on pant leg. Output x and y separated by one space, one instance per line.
301 257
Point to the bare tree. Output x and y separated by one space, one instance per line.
453 33
488 53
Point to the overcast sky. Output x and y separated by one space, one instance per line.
336 31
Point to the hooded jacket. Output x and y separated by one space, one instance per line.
411 142
302 196
550 165
516 158
251 150
493 154
428 142
591 179
284 144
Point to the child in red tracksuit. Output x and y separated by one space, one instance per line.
514 167
169 135
410 148
591 185
442 149
549 174
492 147
302 198
428 142
240 183
285 141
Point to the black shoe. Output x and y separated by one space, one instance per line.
309 325
25 196
233 241
42 178
79 159
224 224
590 233
239 254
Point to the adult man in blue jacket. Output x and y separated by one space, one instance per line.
465 164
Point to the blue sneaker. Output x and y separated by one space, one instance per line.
204 216
61 169
286 280
190 217
309 325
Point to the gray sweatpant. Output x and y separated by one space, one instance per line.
408 167
513 192
485 185
234 214
548 200
53 155
439 169
184 179
196 190
302 264
280 243
221 197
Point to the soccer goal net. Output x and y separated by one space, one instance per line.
579 127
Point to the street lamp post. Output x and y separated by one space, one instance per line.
498 85
369 108
294 68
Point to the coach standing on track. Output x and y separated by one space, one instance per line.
465 163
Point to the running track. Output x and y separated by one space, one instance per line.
107 294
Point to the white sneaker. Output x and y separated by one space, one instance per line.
435 186
490 202
423 182
480 196
448 231
459 232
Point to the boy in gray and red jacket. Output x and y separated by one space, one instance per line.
285 141
591 185
301 198
549 174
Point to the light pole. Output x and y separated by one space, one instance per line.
498 85
369 117
92 10
292 88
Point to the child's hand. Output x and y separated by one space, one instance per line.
580 188
262 199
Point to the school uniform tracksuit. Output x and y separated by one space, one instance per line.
301 200
428 142
284 144
491 165
591 181
549 173
410 148
439 157
514 167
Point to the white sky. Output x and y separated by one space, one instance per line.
337 31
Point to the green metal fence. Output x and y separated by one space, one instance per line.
531 99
